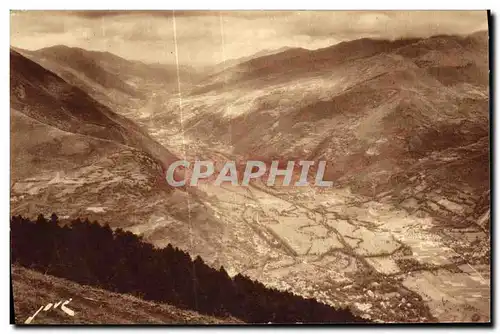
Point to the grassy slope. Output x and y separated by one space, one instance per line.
92 306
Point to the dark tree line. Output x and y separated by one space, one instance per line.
119 261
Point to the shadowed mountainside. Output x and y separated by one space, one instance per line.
40 98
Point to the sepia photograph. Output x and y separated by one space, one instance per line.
243 167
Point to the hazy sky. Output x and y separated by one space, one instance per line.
211 37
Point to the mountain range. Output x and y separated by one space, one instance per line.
403 125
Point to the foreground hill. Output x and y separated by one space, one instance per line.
32 289
89 253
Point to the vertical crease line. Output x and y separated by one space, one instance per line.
179 93
223 53
223 42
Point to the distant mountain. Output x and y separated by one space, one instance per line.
235 61
92 65
112 80
295 62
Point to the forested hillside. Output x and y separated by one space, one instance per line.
92 254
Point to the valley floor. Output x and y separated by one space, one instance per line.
388 262
384 262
